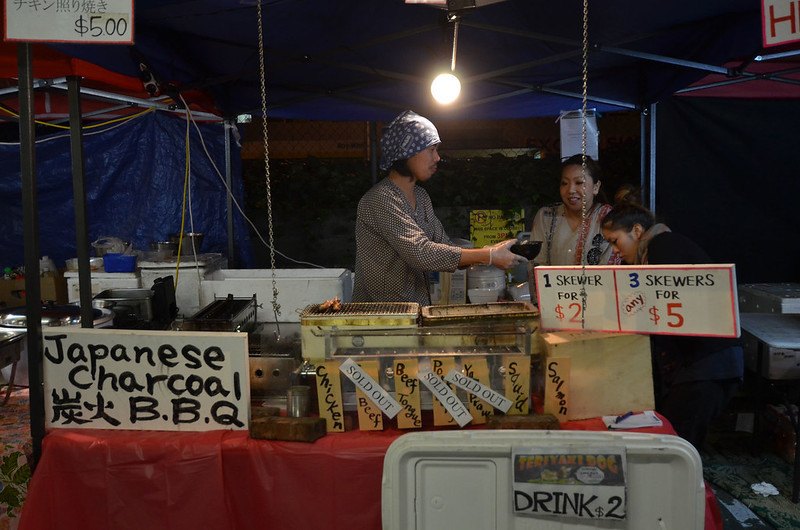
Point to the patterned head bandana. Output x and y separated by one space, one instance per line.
405 136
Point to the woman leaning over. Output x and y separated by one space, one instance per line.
695 377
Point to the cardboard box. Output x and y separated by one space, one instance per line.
610 373
53 286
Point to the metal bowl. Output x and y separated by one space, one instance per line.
188 238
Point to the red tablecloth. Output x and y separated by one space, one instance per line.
221 480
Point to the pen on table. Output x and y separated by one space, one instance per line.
624 416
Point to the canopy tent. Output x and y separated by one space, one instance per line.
105 93
366 60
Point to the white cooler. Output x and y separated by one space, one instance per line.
101 281
297 288
464 479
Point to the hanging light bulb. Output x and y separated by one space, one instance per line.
446 87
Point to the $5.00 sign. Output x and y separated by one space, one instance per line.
106 22
660 299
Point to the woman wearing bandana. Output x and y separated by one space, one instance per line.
399 239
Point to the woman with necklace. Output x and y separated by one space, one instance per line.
570 230
399 239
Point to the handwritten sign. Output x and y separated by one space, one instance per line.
780 22
445 395
407 391
146 380
371 390
556 388
479 391
517 382
658 299
329 395
487 227
440 366
585 482
106 22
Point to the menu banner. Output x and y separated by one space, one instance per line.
698 300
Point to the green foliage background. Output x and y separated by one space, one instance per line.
314 201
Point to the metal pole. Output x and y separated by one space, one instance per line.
653 158
30 219
642 152
79 199
226 125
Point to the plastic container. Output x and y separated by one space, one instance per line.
464 480
480 295
119 262
485 277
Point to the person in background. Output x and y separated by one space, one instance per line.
398 236
568 237
695 377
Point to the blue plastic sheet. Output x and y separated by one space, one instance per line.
134 189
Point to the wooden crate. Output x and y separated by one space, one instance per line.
609 373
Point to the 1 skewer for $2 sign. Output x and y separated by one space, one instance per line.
661 299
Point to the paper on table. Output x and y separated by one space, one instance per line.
647 418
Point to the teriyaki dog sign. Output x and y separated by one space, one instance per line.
146 380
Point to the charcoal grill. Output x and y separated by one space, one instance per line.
228 314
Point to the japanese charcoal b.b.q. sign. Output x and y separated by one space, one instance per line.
146 380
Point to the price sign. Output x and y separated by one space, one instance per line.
659 299
106 22
564 294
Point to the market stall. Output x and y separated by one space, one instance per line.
195 426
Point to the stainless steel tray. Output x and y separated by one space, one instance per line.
471 313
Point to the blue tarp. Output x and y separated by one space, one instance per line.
134 188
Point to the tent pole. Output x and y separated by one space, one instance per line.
652 187
227 125
30 217
642 152
79 200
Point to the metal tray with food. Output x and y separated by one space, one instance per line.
469 313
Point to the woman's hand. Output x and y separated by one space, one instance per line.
502 257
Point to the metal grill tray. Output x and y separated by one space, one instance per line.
376 314
470 313
359 309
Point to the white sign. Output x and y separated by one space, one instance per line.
146 380
780 22
77 21
572 133
446 397
585 482
480 390
371 388
658 299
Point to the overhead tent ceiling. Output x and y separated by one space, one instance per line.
368 59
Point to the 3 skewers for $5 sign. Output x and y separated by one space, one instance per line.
660 299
